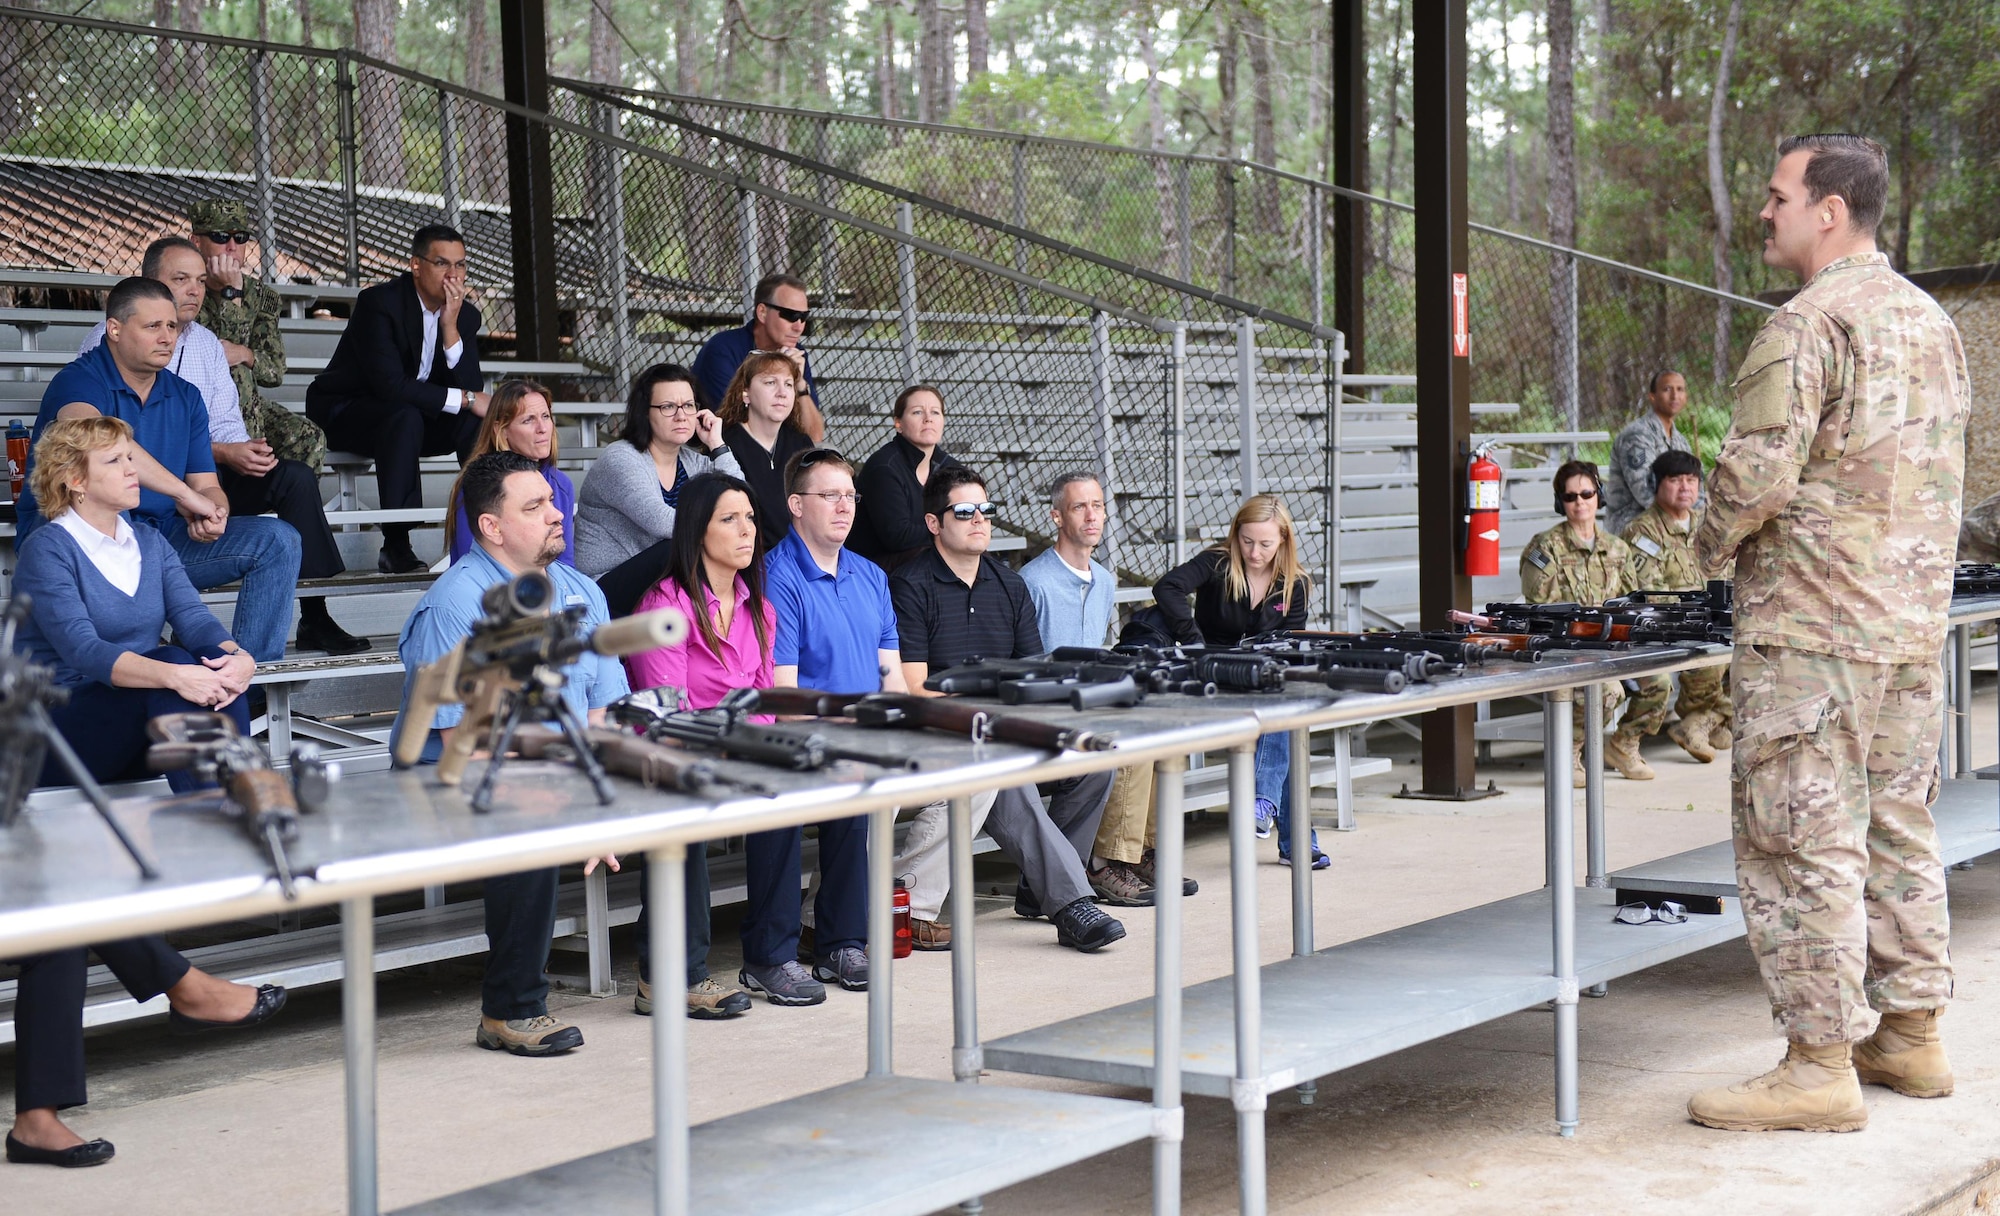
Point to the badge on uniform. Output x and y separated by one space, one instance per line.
1647 545
1537 559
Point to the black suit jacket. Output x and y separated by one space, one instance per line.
381 349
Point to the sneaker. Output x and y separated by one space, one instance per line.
1146 875
1320 860
929 935
537 1036
1083 926
847 966
1118 884
786 983
709 1001
1267 814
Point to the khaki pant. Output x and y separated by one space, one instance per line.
1832 776
1126 831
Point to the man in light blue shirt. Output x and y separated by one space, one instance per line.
518 528
1074 595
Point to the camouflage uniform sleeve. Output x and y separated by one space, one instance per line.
1780 392
1618 495
266 342
1538 568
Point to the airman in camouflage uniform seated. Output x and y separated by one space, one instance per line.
1662 542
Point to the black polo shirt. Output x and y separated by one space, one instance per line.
943 622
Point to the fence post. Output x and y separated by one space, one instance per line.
1316 254
1020 174
906 292
1569 389
1177 437
1246 403
829 237
1229 230
1107 427
1184 225
350 195
611 238
1336 595
448 161
260 150
746 226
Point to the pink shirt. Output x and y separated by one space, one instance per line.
703 676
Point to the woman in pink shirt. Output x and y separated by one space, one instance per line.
715 577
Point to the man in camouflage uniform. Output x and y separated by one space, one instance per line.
1628 481
244 313
1663 559
1837 495
1576 562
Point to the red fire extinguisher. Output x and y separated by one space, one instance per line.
1482 497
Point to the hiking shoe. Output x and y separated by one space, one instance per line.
1146 875
1267 814
929 935
709 1001
847 966
1083 926
537 1036
1906 1055
787 983
1119 885
1814 1089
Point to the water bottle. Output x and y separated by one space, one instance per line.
17 456
899 904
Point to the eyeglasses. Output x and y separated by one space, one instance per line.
228 238
832 498
964 511
1668 913
672 408
1573 495
446 264
794 315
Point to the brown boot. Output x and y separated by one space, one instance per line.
1692 734
1719 738
1813 1089
1621 751
1576 776
1907 1055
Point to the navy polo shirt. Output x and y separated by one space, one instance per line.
171 425
716 363
832 627
943 622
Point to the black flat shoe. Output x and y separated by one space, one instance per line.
329 637
75 1157
399 561
270 999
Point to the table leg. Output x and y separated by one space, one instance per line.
666 880
881 940
1961 670
357 1015
278 714
1560 808
1247 1090
597 931
1300 780
1595 869
1169 775
1343 778
966 1058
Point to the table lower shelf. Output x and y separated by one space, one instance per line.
879 1145
1364 999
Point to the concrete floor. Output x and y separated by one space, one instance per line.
1461 1125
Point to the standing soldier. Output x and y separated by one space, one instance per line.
1837 495
1663 559
244 313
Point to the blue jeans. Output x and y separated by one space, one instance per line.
1274 785
264 555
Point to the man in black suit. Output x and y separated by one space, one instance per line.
404 382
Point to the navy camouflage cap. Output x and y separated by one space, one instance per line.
219 215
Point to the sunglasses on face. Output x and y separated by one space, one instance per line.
795 315
228 238
1574 495
965 511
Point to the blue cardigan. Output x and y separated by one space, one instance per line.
80 623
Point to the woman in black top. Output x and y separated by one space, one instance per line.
760 427
1252 583
889 520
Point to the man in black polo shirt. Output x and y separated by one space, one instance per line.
953 603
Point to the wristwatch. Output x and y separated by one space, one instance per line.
232 293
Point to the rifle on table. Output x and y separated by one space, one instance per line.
1976 578
1418 665
1642 619
907 711
1094 679
1456 650
262 799
727 730
649 763
510 671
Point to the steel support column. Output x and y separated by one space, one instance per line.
1349 114
524 72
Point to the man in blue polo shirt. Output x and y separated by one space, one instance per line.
126 377
837 633
778 316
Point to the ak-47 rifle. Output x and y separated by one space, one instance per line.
1976 578
263 800
1455 650
1641 619
510 671
645 761
907 711
1419 666
1097 679
727 730
28 735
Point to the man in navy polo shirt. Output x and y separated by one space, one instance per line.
126 377
778 316
837 633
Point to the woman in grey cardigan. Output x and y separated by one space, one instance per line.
625 510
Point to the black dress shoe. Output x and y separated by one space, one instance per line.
76 1156
327 636
270 999
400 561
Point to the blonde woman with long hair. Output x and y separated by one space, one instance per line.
519 420
1253 582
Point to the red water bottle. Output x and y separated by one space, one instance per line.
17 456
899 905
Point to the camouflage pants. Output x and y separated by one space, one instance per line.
1126 831
1833 773
291 436
1701 692
1613 694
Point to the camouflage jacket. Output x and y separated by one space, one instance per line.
1628 478
1557 568
1662 555
1839 488
253 322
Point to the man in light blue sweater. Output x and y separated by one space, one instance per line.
1073 593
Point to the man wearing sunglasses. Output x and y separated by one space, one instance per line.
779 318
952 603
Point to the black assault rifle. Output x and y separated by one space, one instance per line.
261 799
907 711
727 730
1090 678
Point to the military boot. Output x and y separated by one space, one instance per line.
1719 738
1906 1055
1813 1089
1692 734
1621 751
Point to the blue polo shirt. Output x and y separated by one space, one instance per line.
832 627
171 425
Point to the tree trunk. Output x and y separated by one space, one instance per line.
1225 185
1394 122
305 22
1507 118
927 60
687 50
732 21
976 40
378 100
1156 140
1718 187
1263 122
478 47
1600 101
885 61
604 67
163 49
822 46
1562 206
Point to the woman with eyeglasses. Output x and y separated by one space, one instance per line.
761 425
519 420
625 511
1576 562
889 526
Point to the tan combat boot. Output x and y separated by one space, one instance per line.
1692 734
1906 1055
1813 1089
1719 739
1576 777
1621 751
